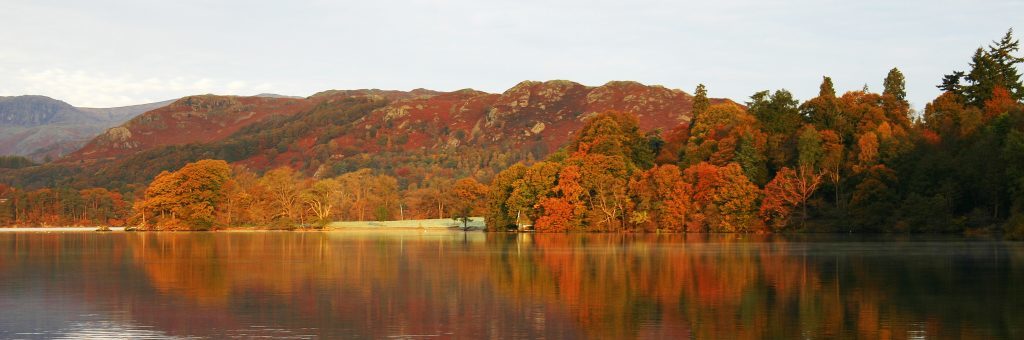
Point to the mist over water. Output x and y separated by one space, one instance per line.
476 285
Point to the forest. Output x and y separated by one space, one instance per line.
862 161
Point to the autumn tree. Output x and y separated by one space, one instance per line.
247 201
500 216
357 192
999 103
661 199
284 186
867 151
802 183
564 210
672 149
423 202
160 200
186 198
467 195
367 193
237 199
788 190
436 188
535 184
950 118
616 134
832 161
604 179
321 198
724 199
385 189
724 132
102 206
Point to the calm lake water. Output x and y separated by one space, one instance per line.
476 285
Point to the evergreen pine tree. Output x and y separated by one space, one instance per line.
895 84
826 90
992 68
700 103
1006 63
951 83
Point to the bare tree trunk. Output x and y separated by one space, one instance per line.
837 196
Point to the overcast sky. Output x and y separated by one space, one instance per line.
111 53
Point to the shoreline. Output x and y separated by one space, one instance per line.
54 229
476 224
232 229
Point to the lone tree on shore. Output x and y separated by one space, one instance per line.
468 195
462 216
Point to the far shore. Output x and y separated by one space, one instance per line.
476 224
54 229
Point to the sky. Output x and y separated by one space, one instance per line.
103 53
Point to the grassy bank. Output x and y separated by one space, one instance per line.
477 223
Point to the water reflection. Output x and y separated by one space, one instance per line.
413 284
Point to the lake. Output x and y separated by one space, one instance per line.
412 284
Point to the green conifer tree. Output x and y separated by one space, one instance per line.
895 84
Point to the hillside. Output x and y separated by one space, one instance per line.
193 119
205 119
543 115
45 128
413 135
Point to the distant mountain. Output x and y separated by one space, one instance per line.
411 135
33 111
124 113
41 127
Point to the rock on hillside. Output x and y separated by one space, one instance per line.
529 113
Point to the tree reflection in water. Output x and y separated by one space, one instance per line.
523 285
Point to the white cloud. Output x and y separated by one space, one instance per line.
96 89
115 52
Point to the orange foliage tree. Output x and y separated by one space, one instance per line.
716 137
535 184
788 190
467 195
604 179
724 198
661 199
187 198
563 212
